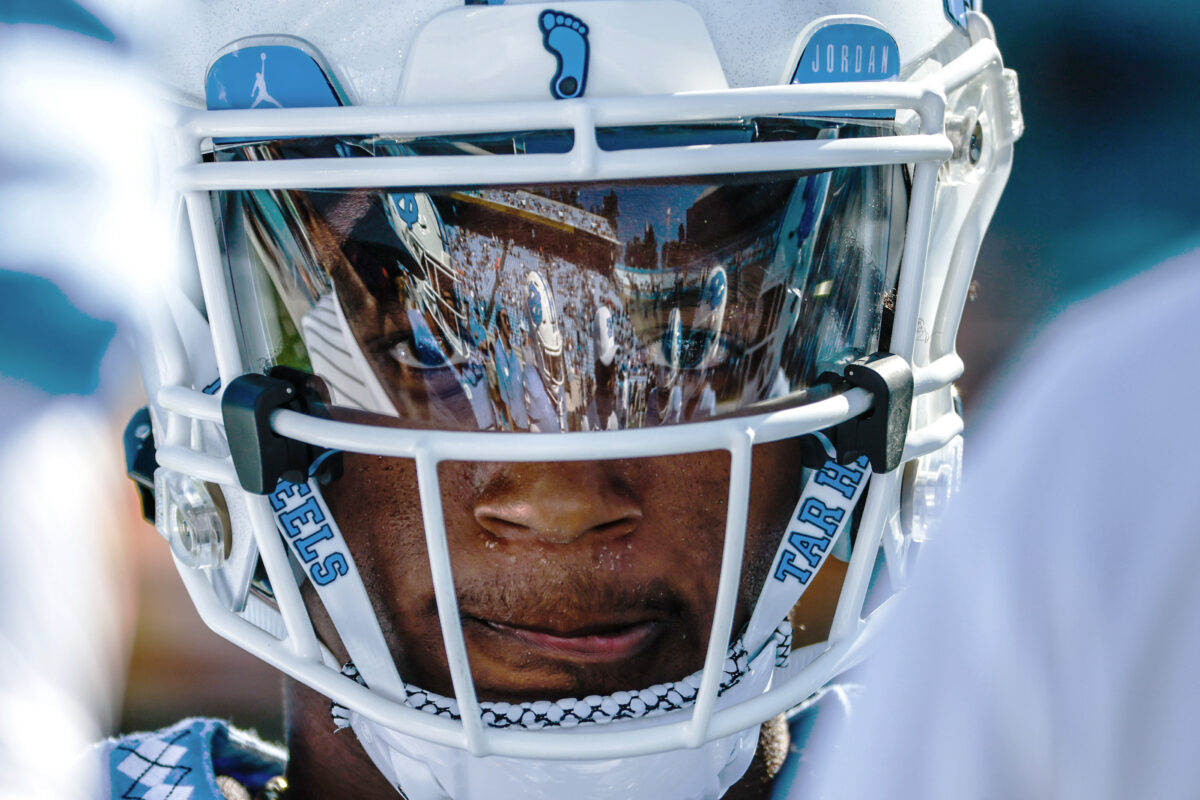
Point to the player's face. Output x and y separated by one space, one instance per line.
572 578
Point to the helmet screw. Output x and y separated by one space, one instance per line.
188 517
975 149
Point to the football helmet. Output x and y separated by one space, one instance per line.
589 230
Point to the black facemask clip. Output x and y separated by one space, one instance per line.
262 457
878 434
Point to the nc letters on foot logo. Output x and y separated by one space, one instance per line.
566 36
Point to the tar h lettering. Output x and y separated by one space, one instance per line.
824 512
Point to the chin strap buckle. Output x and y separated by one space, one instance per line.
878 434
260 456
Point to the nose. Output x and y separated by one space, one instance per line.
557 503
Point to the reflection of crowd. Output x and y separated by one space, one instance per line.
526 388
531 362
531 388
554 270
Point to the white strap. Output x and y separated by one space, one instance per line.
305 522
822 513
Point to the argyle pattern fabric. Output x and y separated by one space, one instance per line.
162 765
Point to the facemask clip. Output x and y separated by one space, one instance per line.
260 456
878 434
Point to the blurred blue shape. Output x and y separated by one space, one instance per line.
62 14
1108 172
48 342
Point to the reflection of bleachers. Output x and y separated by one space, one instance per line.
545 210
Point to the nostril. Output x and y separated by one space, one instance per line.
618 528
502 527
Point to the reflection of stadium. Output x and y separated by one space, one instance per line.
589 306
730 228
528 264
529 260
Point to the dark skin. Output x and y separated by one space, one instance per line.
573 578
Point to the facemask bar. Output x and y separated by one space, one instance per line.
298 653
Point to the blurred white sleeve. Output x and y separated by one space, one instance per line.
1050 644
74 186
64 598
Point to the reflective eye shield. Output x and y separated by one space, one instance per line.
565 306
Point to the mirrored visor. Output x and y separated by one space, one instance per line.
564 307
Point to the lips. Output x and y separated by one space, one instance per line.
592 644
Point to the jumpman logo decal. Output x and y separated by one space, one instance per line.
259 93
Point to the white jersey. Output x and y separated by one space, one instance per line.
1049 643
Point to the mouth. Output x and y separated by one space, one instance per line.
592 644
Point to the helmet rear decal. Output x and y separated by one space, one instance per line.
566 36
406 207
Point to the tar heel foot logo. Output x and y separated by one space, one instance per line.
304 520
841 51
823 514
566 37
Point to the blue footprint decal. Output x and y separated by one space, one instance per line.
565 35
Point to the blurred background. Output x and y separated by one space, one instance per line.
1106 183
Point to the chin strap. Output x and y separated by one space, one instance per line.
593 709
306 524
822 515
422 770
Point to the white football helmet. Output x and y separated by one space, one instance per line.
406 224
